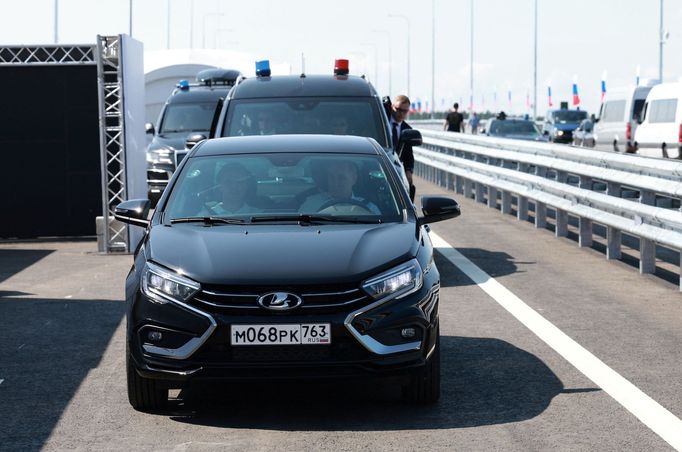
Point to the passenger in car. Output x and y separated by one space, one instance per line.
237 187
338 197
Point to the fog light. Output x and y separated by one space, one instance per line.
155 336
408 333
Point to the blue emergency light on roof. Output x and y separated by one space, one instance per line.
263 68
183 85
341 67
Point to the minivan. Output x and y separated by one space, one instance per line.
660 131
618 118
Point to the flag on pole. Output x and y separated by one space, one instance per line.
426 109
509 98
527 100
603 86
637 76
419 105
413 107
549 95
576 97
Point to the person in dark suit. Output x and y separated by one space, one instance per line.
400 108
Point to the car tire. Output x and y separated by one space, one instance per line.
144 394
424 385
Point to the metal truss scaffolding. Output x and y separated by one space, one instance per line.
112 142
47 55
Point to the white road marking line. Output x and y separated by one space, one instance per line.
647 410
1 380
21 346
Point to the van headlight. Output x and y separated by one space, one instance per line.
163 286
399 281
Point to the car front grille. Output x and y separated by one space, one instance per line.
313 297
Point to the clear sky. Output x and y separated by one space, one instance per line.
576 38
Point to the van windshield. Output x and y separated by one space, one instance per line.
566 116
306 115
187 117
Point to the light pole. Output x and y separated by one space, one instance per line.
376 64
433 57
388 37
660 47
471 68
168 24
535 65
191 24
203 31
399 16
130 18
217 32
56 21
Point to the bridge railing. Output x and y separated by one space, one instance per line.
561 178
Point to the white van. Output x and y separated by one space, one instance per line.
660 131
618 118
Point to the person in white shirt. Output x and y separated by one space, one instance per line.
236 184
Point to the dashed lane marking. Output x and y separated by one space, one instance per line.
647 410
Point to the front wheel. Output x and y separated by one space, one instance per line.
144 394
424 385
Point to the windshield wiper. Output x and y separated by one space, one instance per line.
310 219
207 220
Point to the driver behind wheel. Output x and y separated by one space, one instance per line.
339 198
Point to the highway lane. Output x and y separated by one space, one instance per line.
62 359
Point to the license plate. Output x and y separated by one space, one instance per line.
286 334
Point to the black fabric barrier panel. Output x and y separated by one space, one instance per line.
50 182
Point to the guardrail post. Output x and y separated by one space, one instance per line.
540 215
459 184
584 232
492 196
521 208
468 188
479 192
505 205
613 235
585 225
647 248
561 229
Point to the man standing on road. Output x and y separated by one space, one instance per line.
474 121
400 108
454 122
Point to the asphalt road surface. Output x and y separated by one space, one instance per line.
511 381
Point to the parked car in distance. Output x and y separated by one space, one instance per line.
283 257
618 118
560 124
518 129
660 132
583 136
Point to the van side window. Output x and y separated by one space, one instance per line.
663 110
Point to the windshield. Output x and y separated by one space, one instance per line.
284 186
187 117
358 116
507 127
565 116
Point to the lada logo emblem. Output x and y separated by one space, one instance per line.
280 301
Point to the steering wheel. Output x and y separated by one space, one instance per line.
358 207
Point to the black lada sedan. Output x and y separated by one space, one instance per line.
283 257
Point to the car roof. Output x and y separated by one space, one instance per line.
199 93
258 144
303 86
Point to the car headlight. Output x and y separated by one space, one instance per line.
399 281
160 155
163 286
559 133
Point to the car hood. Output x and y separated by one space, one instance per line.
281 254
526 137
175 140
568 126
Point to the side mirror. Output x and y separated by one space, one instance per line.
149 128
409 137
193 139
133 212
438 208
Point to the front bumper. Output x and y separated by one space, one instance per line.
365 340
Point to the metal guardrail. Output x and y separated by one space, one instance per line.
490 168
